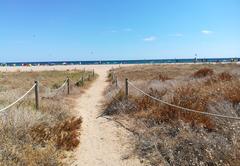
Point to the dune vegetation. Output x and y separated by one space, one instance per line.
165 135
39 137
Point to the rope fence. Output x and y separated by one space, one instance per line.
55 91
175 106
36 86
128 83
19 99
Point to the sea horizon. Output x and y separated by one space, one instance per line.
131 61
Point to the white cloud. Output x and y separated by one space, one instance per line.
128 29
150 38
114 31
206 32
176 35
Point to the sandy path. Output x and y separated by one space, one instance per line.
102 142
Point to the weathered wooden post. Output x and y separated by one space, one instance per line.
37 95
116 81
112 73
126 88
68 85
93 73
113 77
82 81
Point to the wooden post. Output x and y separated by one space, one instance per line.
68 85
116 82
112 73
93 73
126 88
113 77
82 81
37 95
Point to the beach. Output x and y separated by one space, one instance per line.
56 68
88 67
113 132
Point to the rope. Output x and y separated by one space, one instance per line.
72 81
65 82
83 78
52 94
55 92
3 109
182 108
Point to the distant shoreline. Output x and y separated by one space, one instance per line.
86 67
112 62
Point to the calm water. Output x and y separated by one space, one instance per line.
149 61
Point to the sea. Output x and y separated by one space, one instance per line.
105 62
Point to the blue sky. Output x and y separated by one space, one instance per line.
43 30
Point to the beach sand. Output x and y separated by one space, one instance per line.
57 67
86 67
102 142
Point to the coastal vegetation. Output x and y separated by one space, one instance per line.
166 135
39 137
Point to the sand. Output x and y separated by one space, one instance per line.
103 142
57 67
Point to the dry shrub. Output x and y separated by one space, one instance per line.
56 107
16 144
146 102
197 95
113 106
203 73
149 72
64 134
192 97
187 96
225 76
170 136
162 77
221 77
30 137
29 154
224 90
231 92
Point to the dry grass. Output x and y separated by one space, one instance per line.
30 137
224 76
150 72
170 136
203 72
65 134
18 147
